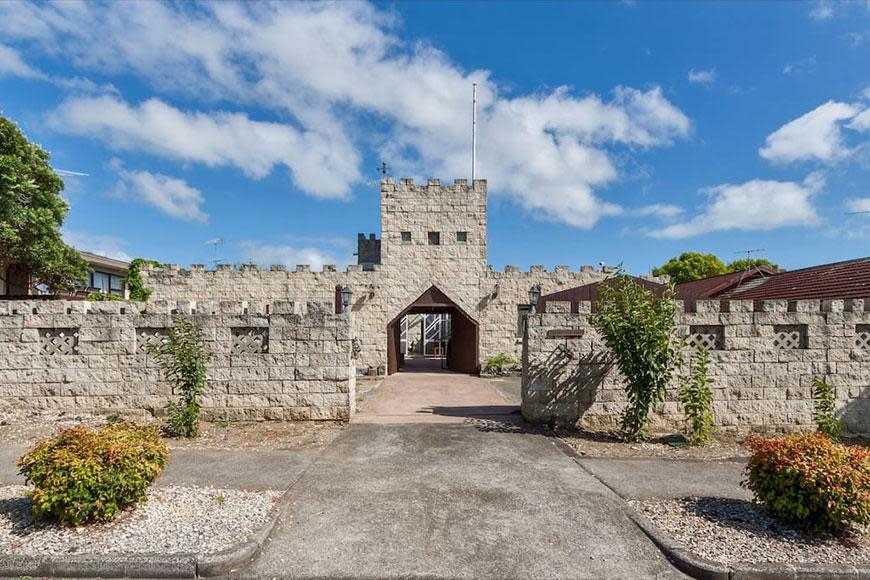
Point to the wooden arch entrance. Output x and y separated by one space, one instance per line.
463 345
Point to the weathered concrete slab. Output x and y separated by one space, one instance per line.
669 478
457 501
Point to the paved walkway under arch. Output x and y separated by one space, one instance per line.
422 392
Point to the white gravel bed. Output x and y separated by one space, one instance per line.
730 531
173 520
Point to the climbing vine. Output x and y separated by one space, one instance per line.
138 291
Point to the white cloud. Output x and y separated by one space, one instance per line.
702 77
822 11
815 136
329 73
660 210
172 196
291 256
861 122
12 64
860 204
754 205
216 139
102 245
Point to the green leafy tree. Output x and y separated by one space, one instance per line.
696 397
691 266
639 327
138 291
184 359
31 213
825 407
747 263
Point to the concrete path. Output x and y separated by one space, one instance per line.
669 478
220 468
453 501
427 394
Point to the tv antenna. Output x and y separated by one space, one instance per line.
383 168
215 242
751 267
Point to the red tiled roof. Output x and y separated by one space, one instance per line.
849 279
588 293
712 287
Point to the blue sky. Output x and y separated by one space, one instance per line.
616 132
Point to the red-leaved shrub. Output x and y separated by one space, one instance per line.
810 482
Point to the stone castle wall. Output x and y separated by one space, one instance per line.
272 360
765 356
408 268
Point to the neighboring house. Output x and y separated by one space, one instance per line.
840 280
589 293
716 286
108 276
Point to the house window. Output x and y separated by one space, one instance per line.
106 283
522 318
406 237
461 236
434 238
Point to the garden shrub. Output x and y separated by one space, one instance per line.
696 397
183 358
499 364
639 327
137 289
825 403
810 482
85 474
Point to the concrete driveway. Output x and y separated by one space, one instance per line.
453 501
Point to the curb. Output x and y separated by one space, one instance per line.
141 566
704 569
697 567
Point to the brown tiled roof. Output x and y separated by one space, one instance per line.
712 287
849 279
588 293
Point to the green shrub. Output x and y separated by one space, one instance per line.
825 403
137 289
183 358
499 364
810 482
84 474
100 297
696 397
639 327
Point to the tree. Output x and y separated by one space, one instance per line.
748 263
31 213
639 327
691 266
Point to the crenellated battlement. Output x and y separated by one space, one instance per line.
793 308
175 269
406 184
71 308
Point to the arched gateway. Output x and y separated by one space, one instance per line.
462 350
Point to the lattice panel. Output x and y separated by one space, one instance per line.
59 341
250 340
145 337
862 337
710 337
789 337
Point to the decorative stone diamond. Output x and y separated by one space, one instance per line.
250 340
710 337
789 336
145 337
59 341
862 337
